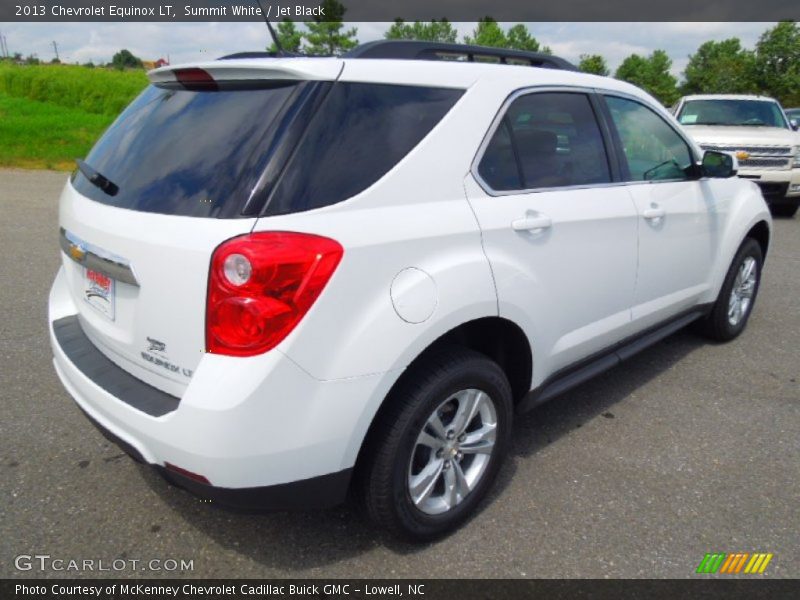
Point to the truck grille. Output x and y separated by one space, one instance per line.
753 150
765 163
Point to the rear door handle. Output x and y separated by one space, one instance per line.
532 222
651 214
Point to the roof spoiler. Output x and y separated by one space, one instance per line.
252 69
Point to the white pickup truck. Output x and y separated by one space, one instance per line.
755 129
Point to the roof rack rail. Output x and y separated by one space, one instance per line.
418 50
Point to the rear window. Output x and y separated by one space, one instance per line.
360 133
224 152
190 153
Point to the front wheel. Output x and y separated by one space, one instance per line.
738 294
438 444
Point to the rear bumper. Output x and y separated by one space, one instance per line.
260 430
315 493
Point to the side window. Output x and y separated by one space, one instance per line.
499 166
654 151
548 139
361 131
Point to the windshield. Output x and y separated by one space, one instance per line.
753 113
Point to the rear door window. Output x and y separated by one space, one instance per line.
552 139
361 131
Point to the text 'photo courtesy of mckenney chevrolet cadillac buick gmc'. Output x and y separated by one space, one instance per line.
287 280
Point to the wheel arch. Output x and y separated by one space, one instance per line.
760 232
498 338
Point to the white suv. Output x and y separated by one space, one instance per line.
284 279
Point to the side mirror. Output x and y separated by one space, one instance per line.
794 124
719 164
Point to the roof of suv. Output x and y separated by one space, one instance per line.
437 73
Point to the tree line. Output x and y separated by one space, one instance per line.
771 68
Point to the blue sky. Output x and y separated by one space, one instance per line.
186 42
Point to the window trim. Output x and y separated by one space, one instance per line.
617 140
610 148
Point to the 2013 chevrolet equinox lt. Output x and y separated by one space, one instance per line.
284 279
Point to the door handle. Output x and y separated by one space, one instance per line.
651 214
533 222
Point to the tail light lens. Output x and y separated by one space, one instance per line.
261 285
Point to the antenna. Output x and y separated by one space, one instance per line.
271 30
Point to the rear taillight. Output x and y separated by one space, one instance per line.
261 285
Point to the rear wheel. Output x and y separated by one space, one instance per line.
738 294
437 446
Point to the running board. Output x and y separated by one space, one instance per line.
568 378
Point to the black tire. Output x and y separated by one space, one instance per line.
784 210
716 325
381 482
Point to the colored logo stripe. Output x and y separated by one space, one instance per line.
711 562
734 563
758 563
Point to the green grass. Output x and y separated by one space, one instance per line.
42 135
97 91
52 114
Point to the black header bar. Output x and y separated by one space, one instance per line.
170 11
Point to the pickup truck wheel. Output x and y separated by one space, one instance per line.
784 210
437 446
738 295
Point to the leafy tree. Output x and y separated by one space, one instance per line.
519 38
593 63
720 68
777 62
125 60
435 31
32 59
652 74
487 33
289 36
325 35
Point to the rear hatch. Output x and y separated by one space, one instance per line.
186 166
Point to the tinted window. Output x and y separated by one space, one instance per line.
499 167
654 150
193 153
556 142
754 113
361 131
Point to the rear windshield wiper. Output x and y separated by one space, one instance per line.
97 179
